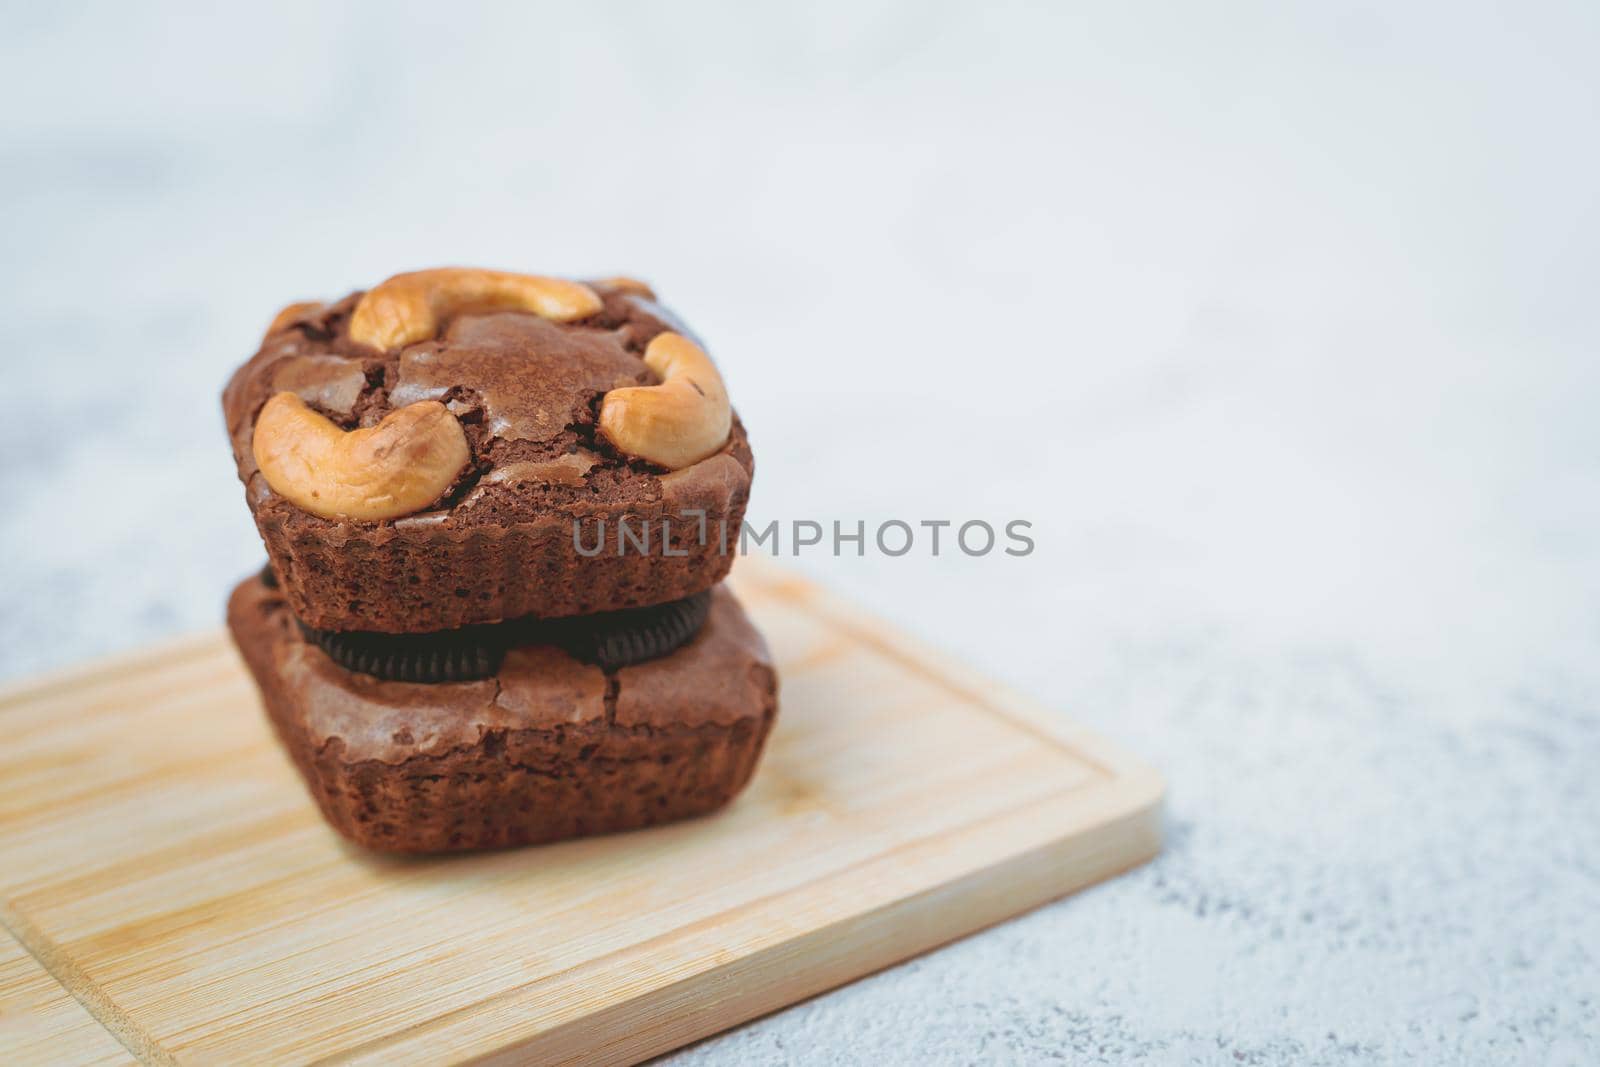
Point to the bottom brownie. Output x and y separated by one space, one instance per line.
549 748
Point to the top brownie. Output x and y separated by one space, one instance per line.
458 447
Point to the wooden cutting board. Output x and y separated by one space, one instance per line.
163 863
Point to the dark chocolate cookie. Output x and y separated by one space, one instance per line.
610 641
619 639
456 656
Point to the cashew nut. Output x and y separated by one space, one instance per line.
395 468
623 283
409 307
681 421
282 319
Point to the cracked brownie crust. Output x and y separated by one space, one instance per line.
549 748
499 544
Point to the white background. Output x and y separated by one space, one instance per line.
1277 323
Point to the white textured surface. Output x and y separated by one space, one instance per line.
1280 327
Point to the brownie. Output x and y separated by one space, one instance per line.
500 540
548 748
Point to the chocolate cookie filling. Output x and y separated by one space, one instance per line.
453 656
622 638
610 641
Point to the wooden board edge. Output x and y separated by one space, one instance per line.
882 911
83 989
41 1022
827 957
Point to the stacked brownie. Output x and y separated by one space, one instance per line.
497 508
